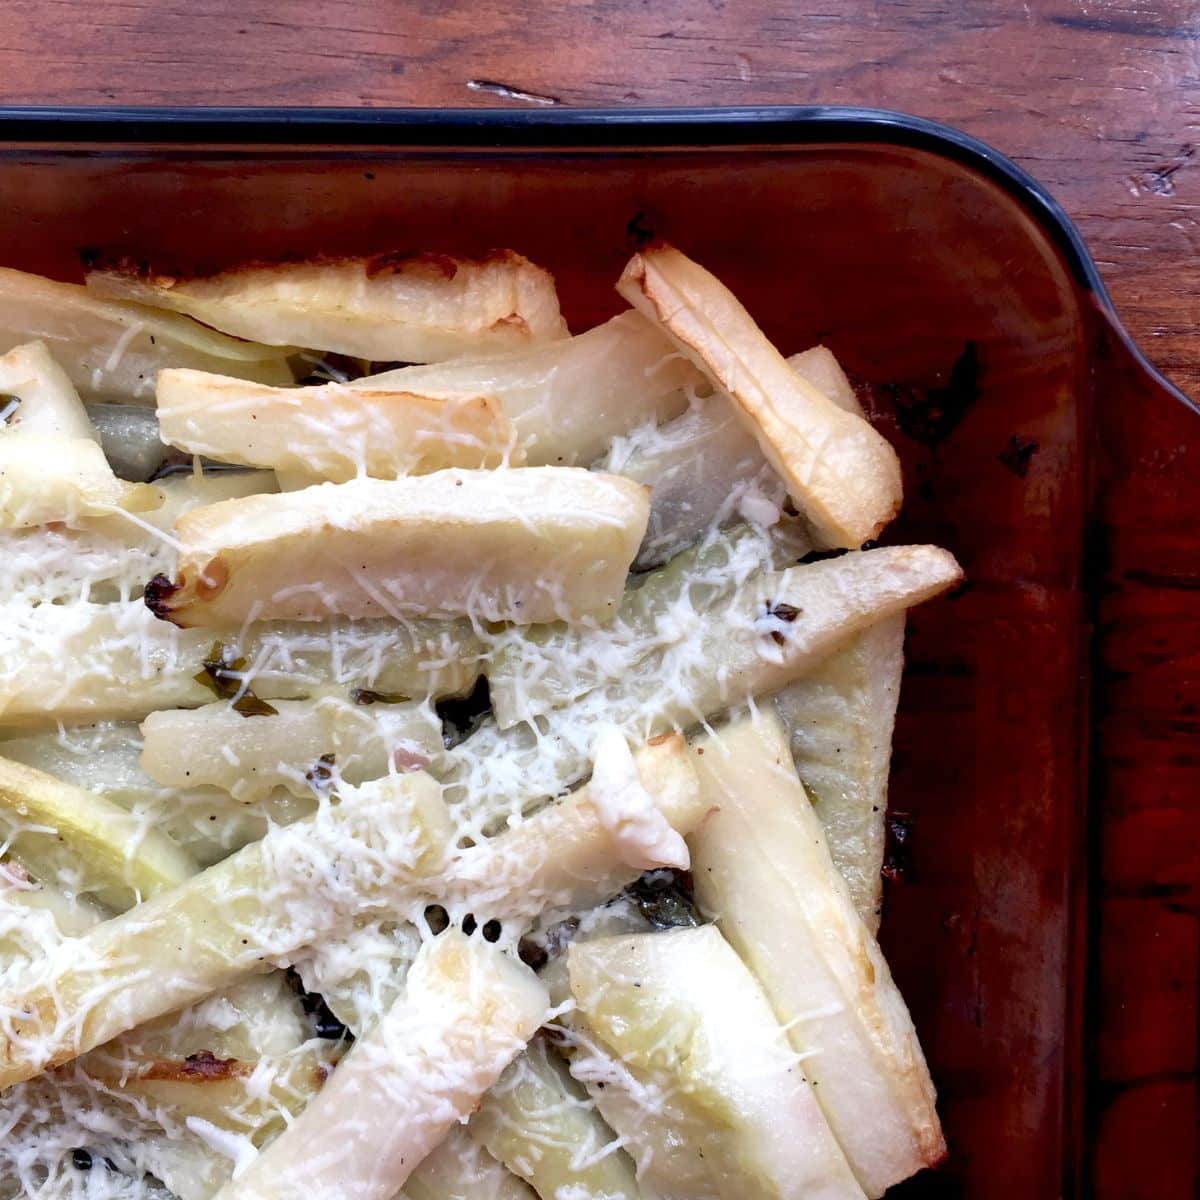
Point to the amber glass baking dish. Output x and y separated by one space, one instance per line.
946 281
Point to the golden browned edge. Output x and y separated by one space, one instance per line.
205 1067
428 263
635 273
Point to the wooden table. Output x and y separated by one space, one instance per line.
1100 99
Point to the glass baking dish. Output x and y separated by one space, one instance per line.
946 281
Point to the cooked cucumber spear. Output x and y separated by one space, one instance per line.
44 479
110 558
360 977
628 819
40 397
259 1016
819 366
302 882
388 308
840 718
769 633
35 916
93 662
113 350
254 1099
841 474
706 1095
763 852
567 399
533 545
47 1120
88 845
331 431
205 822
535 670
540 1123
467 1010
51 465
217 746
242 1060
706 471
706 467
458 1169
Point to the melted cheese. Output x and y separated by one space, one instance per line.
342 898
125 663
301 883
534 670
466 1012
626 809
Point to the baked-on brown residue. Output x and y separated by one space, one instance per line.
513 319
409 262
931 416
157 595
203 1066
897 860
427 262
1017 453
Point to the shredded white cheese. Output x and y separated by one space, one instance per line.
83 660
635 823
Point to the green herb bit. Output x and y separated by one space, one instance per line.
364 696
249 705
224 676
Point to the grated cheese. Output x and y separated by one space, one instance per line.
339 891
638 828
123 662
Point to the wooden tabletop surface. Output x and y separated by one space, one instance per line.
1099 99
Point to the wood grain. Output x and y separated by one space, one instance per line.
1100 99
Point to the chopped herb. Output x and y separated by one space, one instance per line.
320 775
249 705
220 672
779 611
224 676
664 898
366 696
